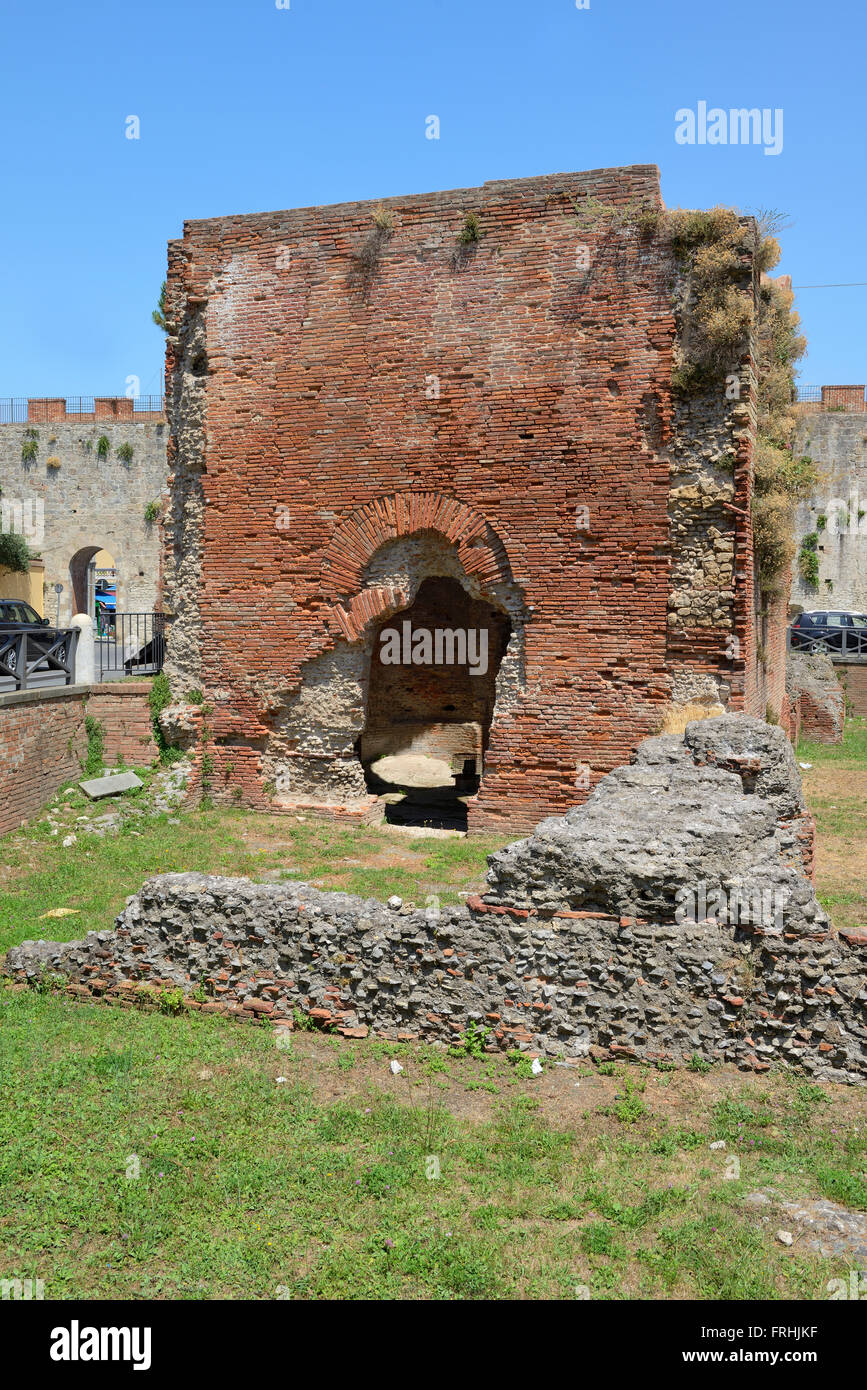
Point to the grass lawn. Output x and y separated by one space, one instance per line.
836 790
94 877
144 1155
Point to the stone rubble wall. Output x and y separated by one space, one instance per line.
580 947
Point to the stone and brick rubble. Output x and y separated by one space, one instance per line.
585 942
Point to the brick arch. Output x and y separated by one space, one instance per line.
365 530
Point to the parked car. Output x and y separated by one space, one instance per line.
17 617
830 631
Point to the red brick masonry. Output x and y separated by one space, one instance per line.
43 741
352 389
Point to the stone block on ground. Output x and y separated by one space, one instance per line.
98 787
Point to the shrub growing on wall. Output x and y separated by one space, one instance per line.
808 559
159 697
14 553
717 317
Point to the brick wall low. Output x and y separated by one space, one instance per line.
43 740
124 712
854 682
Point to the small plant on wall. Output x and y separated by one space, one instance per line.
468 239
808 560
52 462
29 446
151 512
124 452
367 260
103 444
471 231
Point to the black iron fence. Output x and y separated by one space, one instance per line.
129 644
29 660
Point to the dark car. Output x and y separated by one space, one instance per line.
830 631
16 617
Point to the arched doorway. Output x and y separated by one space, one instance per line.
433 562
93 584
430 703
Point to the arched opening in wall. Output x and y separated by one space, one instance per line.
93 585
430 704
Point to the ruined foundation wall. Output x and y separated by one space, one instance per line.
601 934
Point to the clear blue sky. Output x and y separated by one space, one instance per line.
246 107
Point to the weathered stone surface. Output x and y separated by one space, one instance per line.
721 806
812 684
596 934
97 787
180 725
818 1225
837 441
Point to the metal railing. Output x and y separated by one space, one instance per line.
847 643
830 397
129 644
27 658
16 410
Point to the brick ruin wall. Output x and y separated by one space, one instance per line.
43 740
854 682
670 915
89 502
816 696
357 409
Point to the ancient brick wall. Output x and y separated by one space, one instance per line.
854 682
43 741
124 712
360 401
